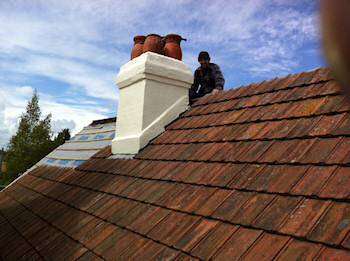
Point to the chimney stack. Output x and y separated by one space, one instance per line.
153 91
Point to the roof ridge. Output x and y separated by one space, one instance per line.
308 77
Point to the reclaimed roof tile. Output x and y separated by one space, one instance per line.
304 126
313 180
206 248
287 179
276 212
251 209
257 172
344 127
331 253
195 234
266 177
304 217
299 250
213 202
232 205
326 125
334 188
238 244
266 247
333 226
341 153
320 150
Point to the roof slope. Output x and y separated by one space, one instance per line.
83 145
257 172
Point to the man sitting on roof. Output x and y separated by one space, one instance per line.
208 75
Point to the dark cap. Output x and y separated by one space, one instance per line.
203 56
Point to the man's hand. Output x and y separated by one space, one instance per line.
215 91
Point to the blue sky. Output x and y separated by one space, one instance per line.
71 51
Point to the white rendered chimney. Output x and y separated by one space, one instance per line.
153 91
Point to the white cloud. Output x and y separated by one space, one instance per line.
13 101
26 91
96 82
82 44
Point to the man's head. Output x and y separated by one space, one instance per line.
203 59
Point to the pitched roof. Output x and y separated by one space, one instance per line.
257 172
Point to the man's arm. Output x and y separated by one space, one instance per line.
195 85
218 77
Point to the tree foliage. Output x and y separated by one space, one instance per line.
32 141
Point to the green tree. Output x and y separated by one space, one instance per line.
31 142
61 138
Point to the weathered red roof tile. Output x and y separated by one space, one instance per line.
296 94
313 180
231 116
186 171
283 129
239 151
89 255
277 149
232 205
326 125
109 241
304 217
276 212
244 177
331 104
172 193
257 172
205 152
292 107
213 202
86 229
266 98
198 199
304 126
206 248
299 250
135 248
251 209
287 179
321 150
163 191
184 257
237 244
297 151
346 242
123 242
345 105
161 229
165 253
334 225
344 127
267 128
251 114
341 154
266 247
255 151
148 219
266 177
207 134
334 187
195 234
230 133
185 197
180 229
207 174
336 254
250 131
